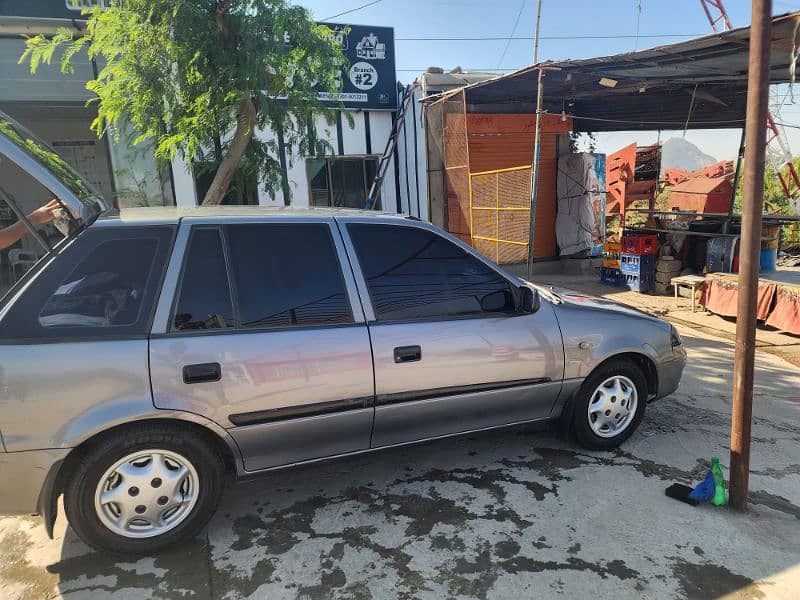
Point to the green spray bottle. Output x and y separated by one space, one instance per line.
719 483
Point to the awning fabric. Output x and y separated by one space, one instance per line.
699 83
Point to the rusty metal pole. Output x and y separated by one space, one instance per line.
750 248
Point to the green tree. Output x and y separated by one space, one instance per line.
775 200
198 77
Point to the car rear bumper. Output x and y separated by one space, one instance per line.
670 372
23 475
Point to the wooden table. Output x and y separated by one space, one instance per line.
694 282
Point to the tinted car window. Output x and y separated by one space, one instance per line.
102 284
413 273
287 275
205 297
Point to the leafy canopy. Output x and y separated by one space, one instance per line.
185 73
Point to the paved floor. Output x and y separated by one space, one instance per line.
510 514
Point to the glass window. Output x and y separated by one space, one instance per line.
341 181
104 290
205 297
102 284
286 275
413 273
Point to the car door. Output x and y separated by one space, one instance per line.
266 337
452 352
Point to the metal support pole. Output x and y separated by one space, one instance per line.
535 171
536 35
736 176
750 248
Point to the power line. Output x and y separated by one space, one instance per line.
544 37
352 10
513 31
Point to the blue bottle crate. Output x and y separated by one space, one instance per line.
642 282
637 264
610 276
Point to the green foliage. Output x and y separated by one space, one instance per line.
180 70
775 201
582 141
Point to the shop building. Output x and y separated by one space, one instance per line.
53 105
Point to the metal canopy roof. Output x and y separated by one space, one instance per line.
655 88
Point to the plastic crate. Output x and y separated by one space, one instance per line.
611 276
611 252
637 263
639 244
644 282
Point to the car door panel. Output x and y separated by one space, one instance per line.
473 373
286 391
450 354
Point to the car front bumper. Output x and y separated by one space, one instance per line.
23 475
670 372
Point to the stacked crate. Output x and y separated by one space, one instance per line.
609 272
667 268
638 262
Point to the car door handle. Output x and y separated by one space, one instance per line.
202 373
403 354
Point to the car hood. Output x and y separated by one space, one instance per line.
585 301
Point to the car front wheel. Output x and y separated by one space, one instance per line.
143 490
609 405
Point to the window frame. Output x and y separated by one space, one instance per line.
363 158
366 295
340 255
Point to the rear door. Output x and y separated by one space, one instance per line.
265 336
452 352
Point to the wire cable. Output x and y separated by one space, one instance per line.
352 10
500 38
513 31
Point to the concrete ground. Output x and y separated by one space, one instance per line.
518 513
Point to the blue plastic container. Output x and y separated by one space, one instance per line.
637 264
769 259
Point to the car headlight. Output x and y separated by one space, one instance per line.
675 337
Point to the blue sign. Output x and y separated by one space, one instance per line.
369 79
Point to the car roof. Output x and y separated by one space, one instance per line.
153 215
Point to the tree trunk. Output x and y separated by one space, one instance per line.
245 125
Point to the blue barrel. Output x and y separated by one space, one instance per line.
769 259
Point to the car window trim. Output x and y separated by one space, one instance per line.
366 295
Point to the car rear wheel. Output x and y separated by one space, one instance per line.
143 490
609 405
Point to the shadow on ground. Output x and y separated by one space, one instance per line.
510 513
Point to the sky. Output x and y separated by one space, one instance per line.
659 22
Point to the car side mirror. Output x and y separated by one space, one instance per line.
530 302
499 301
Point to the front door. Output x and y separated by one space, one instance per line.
452 352
267 338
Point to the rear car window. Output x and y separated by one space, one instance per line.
101 285
287 275
205 298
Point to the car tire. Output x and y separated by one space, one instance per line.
609 405
143 490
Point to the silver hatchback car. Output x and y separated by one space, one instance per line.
152 351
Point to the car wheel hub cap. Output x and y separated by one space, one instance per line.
146 493
613 406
